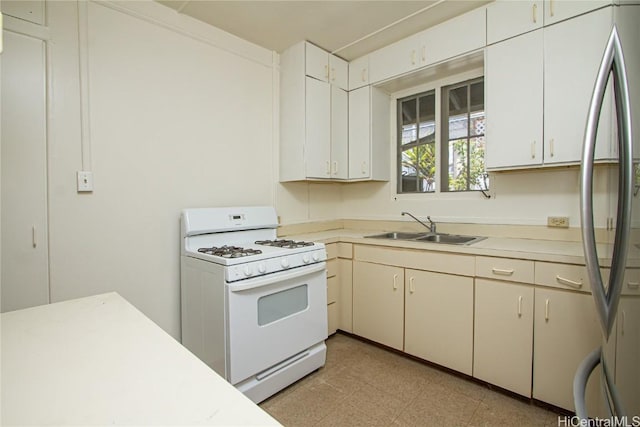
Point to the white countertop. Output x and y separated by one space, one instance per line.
99 361
531 249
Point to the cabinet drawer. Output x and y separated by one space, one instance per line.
333 287
462 265
631 282
332 267
566 276
345 250
332 250
514 270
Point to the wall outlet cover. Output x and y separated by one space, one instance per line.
558 221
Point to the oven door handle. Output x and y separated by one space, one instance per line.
276 277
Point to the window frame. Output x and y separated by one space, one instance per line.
436 82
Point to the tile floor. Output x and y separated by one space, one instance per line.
364 385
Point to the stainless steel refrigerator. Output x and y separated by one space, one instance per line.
616 297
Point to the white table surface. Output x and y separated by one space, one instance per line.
99 361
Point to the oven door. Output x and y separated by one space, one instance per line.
274 317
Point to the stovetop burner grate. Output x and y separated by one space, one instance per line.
283 243
229 251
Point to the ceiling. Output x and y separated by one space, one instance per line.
348 29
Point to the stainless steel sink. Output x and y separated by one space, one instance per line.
451 239
397 235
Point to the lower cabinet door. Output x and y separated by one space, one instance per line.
378 303
566 329
504 335
439 318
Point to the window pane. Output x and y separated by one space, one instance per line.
418 169
427 171
409 121
282 304
479 179
458 165
427 110
458 101
409 183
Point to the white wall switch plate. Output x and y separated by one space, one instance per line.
85 181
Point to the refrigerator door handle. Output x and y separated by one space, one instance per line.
607 300
580 382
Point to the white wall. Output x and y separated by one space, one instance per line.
180 116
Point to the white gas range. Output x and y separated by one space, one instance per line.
253 306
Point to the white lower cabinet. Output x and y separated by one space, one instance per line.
438 323
566 329
378 303
503 335
627 345
345 295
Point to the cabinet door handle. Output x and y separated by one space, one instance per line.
34 242
328 167
326 72
502 272
551 147
424 53
412 287
413 57
633 285
333 74
533 150
364 167
335 167
364 75
568 282
546 310
520 306
395 282
535 13
551 13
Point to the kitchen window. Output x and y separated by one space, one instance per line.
461 117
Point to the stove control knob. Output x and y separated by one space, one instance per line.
316 257
247 270
262 268
284 263
305 259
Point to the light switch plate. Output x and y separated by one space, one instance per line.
85 181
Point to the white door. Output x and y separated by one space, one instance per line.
359 133
339 133
317 148
25 274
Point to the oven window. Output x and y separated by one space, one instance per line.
282 304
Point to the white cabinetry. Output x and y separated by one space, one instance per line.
507 18
559 10
438 324
454 37
546 73
25 270
369 134
313 114
503 336
628 345
359 72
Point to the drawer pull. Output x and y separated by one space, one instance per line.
568 282
412 287
546 310
520 306
633 285
395 282
535 13
364 75
502 272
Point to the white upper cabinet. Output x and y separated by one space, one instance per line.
395 59
313 114
359 72
513 102
369 137
454 37
325 67
572 53
508 18
559 10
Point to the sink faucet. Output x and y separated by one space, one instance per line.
431 226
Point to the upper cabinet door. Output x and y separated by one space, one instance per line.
454 37
514 102
339 72
339 133
572 53
317 62
398 58
359 72
359 133
559 10
507 18
317 149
